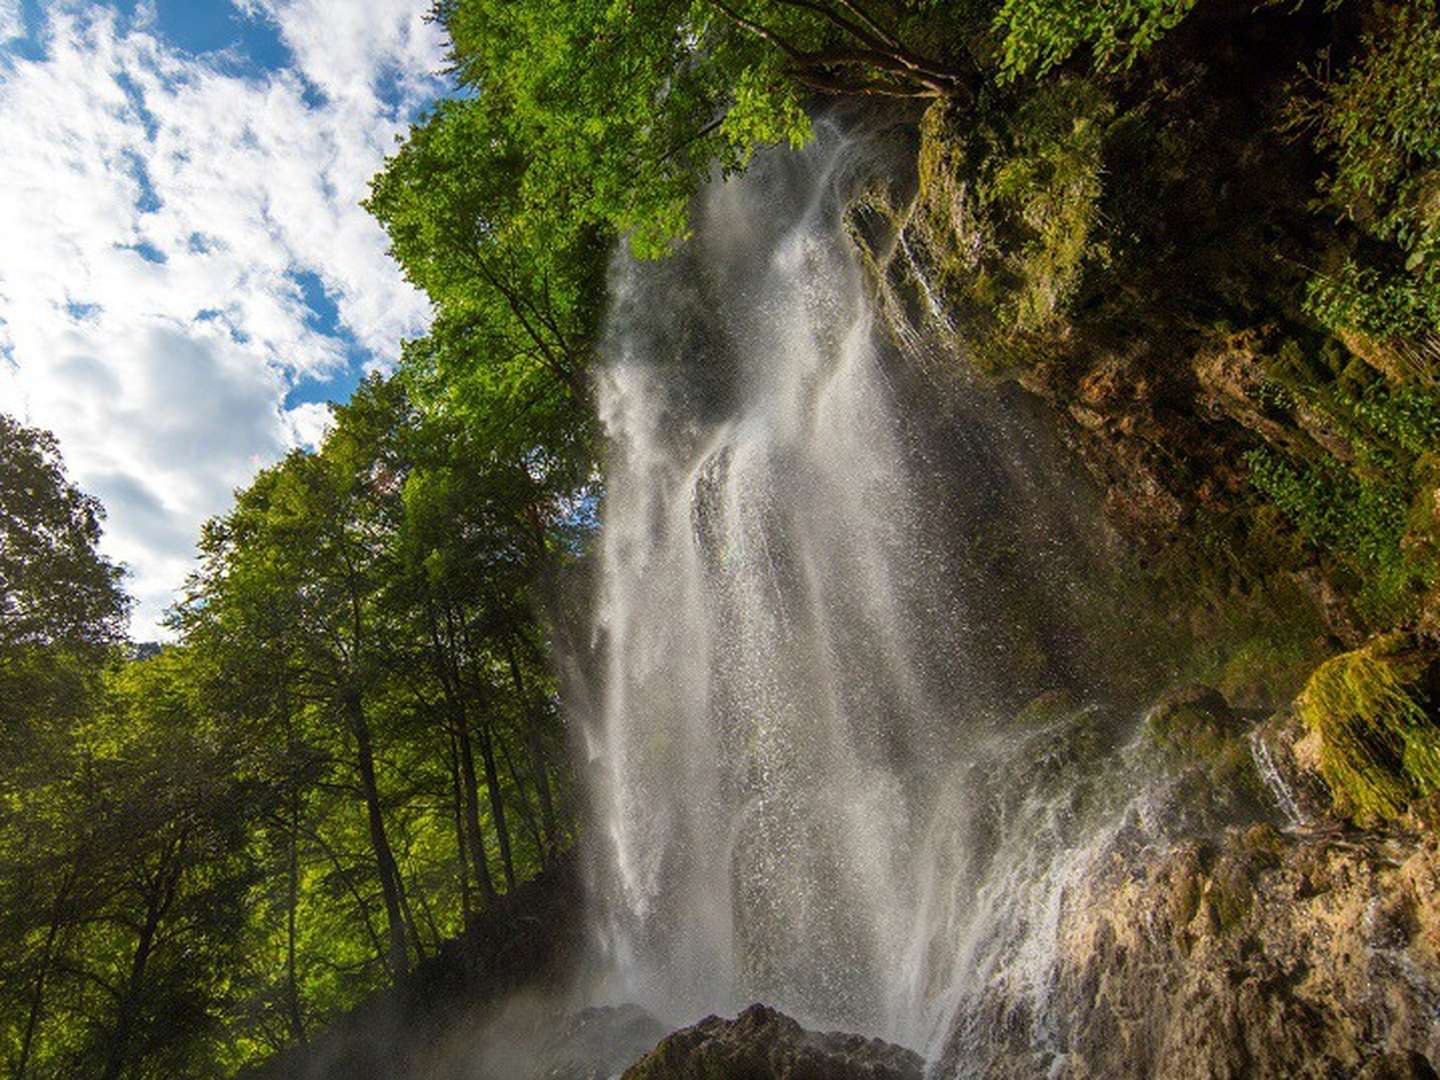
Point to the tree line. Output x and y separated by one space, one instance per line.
352 747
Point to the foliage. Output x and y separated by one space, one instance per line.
1360 518
1384 306
1379 747
1407 416
517 289
134 871
1008 215
1041 34
1051 183
352 751
1360 495
588 121
1380 124
55 588
622 109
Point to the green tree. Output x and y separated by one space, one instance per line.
295 565
138 892
1038 35
62 608
62 615
55 587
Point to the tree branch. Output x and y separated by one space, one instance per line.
760 31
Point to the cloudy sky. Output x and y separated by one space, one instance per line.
185 274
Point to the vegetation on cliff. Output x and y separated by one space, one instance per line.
1372 729
1214 257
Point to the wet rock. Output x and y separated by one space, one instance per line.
1291 777
1192 734
763 1044
1233 383
1267 954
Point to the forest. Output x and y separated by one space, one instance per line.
355 741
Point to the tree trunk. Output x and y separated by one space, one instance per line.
37 1000
360 905
497 802
384 857
537 760
292 988
522 803
472 815
458 813
411 926
167 880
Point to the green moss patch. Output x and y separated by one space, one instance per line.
1195 728
1371 716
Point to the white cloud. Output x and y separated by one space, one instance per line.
12 22
340 45
308 423
165 380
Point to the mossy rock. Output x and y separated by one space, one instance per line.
1047 708
1370 724
1193 727
1241 861
1005 222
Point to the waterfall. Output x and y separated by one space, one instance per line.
806 781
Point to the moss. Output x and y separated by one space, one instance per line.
1263 841
1231 898
1184 902
1242 859
1371 715
1196 728
1006 222
1047 708
1268 666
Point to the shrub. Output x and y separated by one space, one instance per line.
1383 306
1380 124
1360 519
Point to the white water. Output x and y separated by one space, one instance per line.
805 783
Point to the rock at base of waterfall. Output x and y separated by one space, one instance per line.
763 1044
1309 953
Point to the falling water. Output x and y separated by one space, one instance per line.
807 779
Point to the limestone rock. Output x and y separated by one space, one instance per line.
1268 954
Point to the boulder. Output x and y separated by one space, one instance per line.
763 1044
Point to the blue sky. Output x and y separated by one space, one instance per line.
186 277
